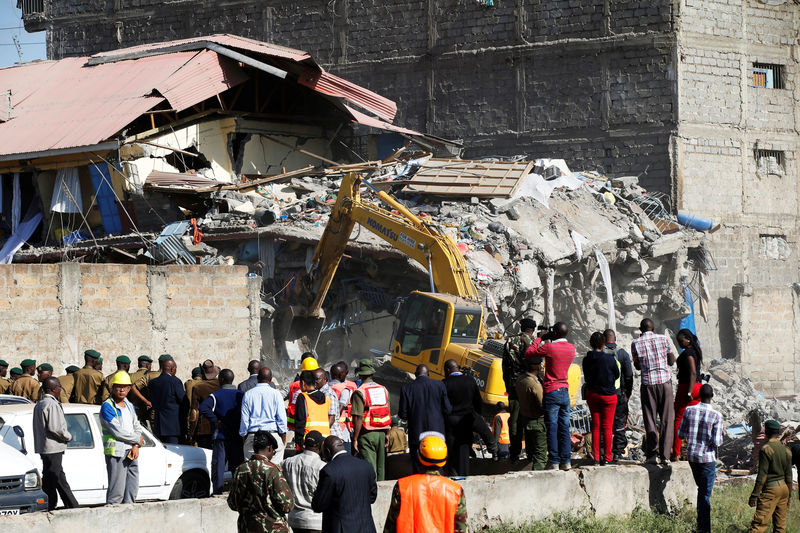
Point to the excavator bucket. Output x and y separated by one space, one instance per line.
291 324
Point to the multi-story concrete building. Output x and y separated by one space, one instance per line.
700 99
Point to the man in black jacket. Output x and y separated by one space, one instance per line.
466 403
345 492
624 391
424 404
169 404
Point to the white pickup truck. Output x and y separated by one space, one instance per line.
166 471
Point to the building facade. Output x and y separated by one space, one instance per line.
698 99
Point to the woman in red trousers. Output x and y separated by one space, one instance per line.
600 371
689 362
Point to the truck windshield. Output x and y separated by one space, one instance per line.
466 327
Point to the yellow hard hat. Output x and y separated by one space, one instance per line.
309 363
432 451
121 378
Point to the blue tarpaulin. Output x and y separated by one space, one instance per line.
687 322
105 197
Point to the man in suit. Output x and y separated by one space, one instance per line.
345 492
169 404
252 368
424 404
466 404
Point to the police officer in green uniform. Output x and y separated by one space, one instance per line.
260 493
5 383
513 368
26 385
88 380
140 402
773 489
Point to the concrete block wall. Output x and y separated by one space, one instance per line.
766 320
578 80
511 499
53 312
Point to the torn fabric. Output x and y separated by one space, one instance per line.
23 232
67 192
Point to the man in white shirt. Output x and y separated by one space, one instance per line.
263 410
302 473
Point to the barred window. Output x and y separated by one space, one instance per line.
768 76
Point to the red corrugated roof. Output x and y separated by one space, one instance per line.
77 102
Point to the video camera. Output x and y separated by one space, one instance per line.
548 332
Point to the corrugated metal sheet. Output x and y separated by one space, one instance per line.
64 104
373 122
231 41
202 77
326 83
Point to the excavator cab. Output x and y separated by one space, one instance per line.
429 322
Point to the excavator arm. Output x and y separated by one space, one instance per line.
420 240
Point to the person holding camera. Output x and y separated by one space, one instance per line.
558 355
689 363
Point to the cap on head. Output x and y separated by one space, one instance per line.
3 362
309 363
144 359
164 357
196 371
16 371
365 367
94 354
432 451
27 362
45 367
71 369
124 359
314 439
772 425
99 360
121 378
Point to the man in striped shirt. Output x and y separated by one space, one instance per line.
652 354
702 428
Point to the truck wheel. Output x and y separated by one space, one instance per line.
192 484
494 347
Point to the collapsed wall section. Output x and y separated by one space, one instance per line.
53 312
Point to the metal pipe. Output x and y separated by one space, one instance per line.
430 271
260 65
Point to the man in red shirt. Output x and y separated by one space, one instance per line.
558 355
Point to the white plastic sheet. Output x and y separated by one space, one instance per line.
606 273
539 188
67 192
23 232
580 241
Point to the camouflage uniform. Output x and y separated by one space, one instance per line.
261 496
513 368
394 510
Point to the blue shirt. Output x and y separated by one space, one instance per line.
262 409
224 405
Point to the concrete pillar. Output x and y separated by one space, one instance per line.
157 293
69 315
254 295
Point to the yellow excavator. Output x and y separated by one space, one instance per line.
445 323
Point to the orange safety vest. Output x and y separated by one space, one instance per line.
428 504
345 420
504 437
294 391
376 406
317 416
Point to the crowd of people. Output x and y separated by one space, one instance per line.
343 430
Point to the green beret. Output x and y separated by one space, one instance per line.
92 353
124 359
100 360
71 368
164 357
145 359
45 367
196 371
772 425
28 362
16 371
3 362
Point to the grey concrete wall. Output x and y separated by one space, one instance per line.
723 120
53 312
491 500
